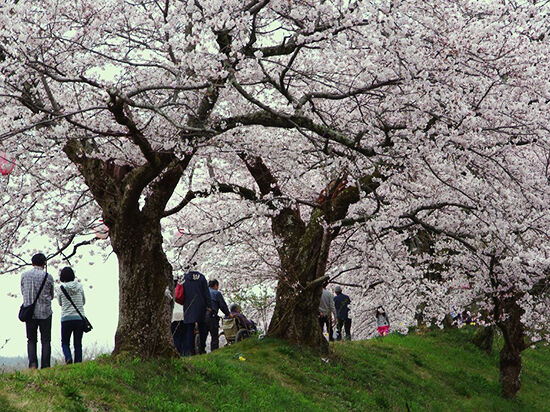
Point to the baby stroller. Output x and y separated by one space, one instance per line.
235 331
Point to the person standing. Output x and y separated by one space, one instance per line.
196 302
177 327
71 322
342 302
212 318
326 310
382 321
42 317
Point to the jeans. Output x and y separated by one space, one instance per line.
75 328
45 326
347 326
213 327
178 331
326 320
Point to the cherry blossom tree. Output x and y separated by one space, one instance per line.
404 116
130 92
461 147
491 248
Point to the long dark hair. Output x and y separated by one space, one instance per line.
380 312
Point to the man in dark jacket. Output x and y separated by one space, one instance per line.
212 318
341 303
196 302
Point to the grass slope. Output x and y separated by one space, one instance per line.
438 371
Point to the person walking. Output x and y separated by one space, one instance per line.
71 321
37 283
382 321
196 302
212 318
326 310
342 302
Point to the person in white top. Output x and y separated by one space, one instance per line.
177 327
71 322
326 310
382 321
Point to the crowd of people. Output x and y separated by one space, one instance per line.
198 315
337 305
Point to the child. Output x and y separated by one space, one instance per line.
382 322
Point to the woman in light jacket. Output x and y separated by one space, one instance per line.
71 322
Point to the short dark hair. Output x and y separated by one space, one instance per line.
189 266
67 274
234 308
212 283
39 259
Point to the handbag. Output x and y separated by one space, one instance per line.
179 294
87 325
26 312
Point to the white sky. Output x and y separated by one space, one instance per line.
101 308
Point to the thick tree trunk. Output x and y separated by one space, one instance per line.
133 198
296 314
514 343
135 234
510 371
303 251
144 309
295 318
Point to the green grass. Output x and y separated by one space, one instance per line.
436 371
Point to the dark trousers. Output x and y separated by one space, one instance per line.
213 327
189 338
203 333
325 320
32 327
75 328
178 332
347 327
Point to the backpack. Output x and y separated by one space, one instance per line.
178 294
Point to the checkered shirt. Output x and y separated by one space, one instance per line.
30 283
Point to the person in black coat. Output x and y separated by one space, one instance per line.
342 302
196 302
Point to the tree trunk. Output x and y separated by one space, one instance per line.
303 251
135 233
514 343
296 318
510 371
296 314
144 274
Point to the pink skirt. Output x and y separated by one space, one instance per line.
383 330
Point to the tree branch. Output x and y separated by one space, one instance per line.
338 96
279 120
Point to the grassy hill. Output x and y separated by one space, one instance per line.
438 371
